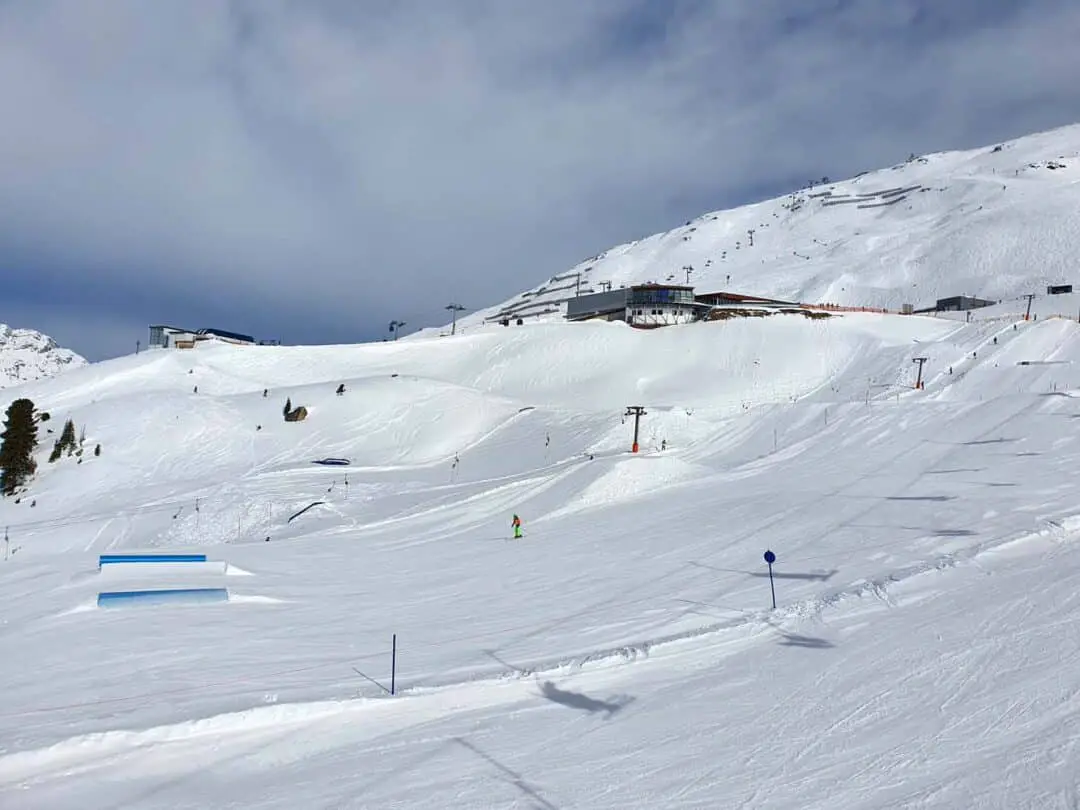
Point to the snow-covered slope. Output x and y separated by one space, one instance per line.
26 355
996 222
624 653
923 651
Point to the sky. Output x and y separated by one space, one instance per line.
309 170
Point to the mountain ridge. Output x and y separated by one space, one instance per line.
998 221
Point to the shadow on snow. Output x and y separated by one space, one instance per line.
582 702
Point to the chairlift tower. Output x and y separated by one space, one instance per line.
455 309
636 411
918 381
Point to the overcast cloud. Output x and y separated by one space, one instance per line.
311 170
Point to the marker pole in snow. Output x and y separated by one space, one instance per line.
393 664
770 558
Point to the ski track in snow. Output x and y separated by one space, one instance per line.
90 746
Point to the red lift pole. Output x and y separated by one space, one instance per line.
636 411
920 361
1029 297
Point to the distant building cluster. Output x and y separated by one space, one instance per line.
651 305
173 337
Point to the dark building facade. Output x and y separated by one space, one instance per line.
607 306
961 303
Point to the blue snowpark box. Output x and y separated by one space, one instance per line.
107 559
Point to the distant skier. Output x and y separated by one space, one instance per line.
516 523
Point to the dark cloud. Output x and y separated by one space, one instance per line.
311 170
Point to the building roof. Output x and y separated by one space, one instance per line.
654 286
225 334
749 299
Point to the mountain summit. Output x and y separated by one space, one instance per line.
27 355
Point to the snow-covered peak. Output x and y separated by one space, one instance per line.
999 222
27 355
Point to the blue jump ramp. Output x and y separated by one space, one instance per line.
172 596
112 559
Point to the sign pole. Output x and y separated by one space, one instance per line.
770 558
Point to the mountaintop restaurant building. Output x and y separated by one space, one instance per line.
164 337
650 305
641 305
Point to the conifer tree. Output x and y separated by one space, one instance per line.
67 437
65 442
17 444
288 405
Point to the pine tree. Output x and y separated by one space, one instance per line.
67 437
288 406
17 444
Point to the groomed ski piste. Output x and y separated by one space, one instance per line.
924 650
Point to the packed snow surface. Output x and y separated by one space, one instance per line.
924 651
